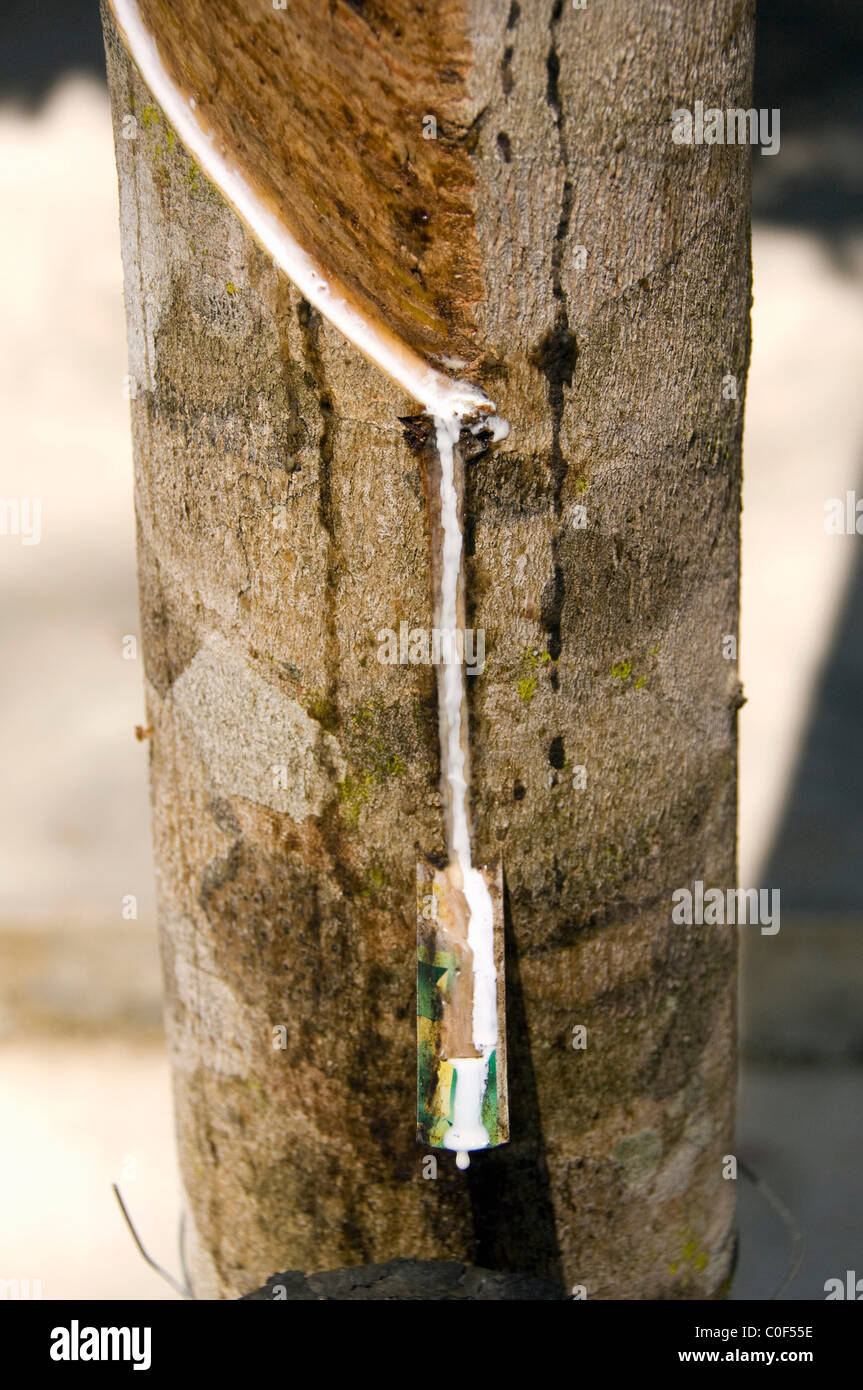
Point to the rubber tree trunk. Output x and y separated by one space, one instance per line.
282 524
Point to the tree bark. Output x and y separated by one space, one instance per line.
282 523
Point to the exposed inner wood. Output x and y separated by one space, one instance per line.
386 212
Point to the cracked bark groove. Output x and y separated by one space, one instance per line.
282 523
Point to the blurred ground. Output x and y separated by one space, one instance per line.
77 1115
84 1087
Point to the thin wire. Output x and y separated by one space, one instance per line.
798 1238
169 1278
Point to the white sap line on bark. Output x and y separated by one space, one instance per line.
467 1131
453 405
451 676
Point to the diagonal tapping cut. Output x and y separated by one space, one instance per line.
177 66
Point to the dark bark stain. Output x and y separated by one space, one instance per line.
551 611
417 431
506 77
555 356
223 814
510 1191
310 323
168 621
217 874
